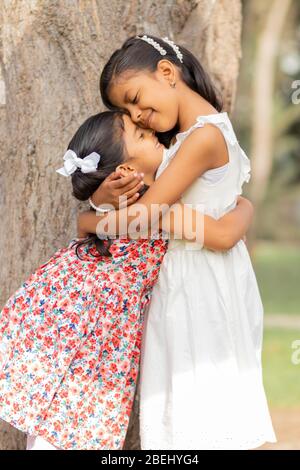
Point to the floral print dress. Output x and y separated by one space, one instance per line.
70 340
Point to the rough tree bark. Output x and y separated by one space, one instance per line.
51 56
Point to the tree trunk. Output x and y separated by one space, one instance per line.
52 53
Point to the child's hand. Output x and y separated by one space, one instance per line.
115 186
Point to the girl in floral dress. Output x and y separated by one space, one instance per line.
70 336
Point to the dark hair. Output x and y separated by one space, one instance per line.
136 55
101 133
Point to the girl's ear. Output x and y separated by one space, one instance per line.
167 70
124 169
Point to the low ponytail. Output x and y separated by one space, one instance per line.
194 75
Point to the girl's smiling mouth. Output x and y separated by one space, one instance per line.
147 122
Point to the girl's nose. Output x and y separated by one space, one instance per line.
136 115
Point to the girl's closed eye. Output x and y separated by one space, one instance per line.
135 100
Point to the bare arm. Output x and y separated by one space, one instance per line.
216 234
220 234
199 152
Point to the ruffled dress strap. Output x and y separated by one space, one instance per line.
222 121
245 174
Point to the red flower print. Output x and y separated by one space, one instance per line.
48 341
82 322
28 343
113 367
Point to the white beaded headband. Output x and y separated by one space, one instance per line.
160 49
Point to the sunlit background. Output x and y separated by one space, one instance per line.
267 121
53 49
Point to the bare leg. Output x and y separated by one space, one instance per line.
38 443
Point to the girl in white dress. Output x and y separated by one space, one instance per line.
201 375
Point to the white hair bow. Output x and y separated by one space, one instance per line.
72 162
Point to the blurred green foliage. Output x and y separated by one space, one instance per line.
281 376
277 269
279 216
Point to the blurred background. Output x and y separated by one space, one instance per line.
267 121
51 56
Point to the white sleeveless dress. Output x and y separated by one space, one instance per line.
201 377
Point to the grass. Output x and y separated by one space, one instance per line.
277 268
281 376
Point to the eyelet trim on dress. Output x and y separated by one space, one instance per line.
202 442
